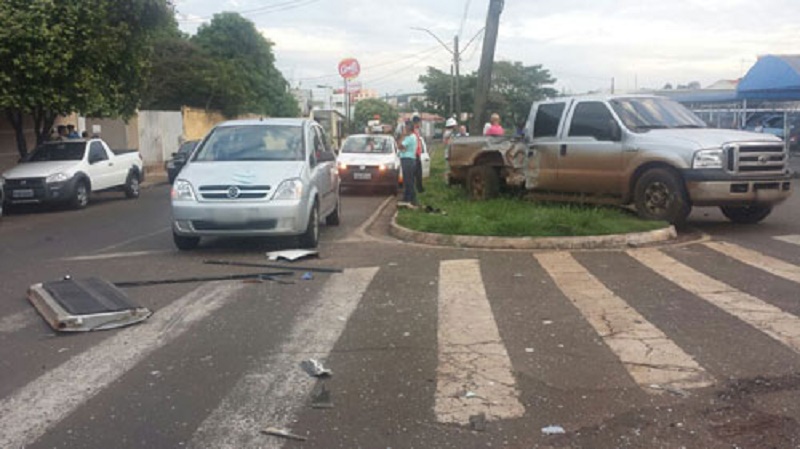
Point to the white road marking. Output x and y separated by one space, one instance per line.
763 262
647 353
272 394
33 409
794 239
134 239
17 321
114 255
475 374
783 327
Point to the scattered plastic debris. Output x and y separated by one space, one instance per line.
231 263
470 395
547 322
283 433
321 398
553 430
63 350
307 276
406 334
314 368
519 275
529 350
291 254
478 422
392 264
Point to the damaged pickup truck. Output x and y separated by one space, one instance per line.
642 151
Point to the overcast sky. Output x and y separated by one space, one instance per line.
584 43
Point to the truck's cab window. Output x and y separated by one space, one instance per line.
548 116
97 153
593 119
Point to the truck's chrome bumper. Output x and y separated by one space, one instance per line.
719 193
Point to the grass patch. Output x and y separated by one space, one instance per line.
509 216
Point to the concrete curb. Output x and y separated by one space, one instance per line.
614 241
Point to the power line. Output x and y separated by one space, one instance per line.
463 19
382 64
275 7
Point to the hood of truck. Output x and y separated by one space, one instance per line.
702 138
256 173
41 169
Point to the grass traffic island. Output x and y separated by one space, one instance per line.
448 210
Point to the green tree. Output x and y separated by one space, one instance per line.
438 85
366 110
243 77
86 56
515 87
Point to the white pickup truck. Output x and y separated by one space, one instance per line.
70 171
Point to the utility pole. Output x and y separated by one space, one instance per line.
456 61
452 89
487 62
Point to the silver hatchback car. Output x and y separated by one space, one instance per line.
271 177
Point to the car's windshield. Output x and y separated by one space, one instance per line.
61 151
644 114
187 147
252 143
367 144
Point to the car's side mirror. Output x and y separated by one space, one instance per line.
174 154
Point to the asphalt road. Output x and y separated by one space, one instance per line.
694 345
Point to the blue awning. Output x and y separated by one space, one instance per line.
773 77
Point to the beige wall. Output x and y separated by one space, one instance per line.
198 122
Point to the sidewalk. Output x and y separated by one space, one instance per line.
153 178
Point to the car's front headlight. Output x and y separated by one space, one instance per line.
57 177
182 191
291 189
387 166
708 159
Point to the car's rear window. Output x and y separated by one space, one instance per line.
253 143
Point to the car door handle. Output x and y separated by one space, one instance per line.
563 150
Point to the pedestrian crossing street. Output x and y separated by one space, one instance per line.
478 359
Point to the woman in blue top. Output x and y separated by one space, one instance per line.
408 160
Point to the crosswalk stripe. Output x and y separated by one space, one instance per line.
782 326
474 373
794 239
30 411
271 394
17 321
755 259
652 359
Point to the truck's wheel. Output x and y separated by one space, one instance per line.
659 194
746 214
483 183
132 185
80 197
310 238
185 243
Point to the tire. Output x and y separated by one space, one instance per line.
660 194
310 238
746 214
483 183
335 217
80 197
132 187
185 243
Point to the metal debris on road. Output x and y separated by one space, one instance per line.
553 430
283 433
231 263
478 422
307 276
314 368
227 277
291 254
81 305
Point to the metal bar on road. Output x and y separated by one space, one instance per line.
277 266
229 277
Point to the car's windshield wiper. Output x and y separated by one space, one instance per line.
649 127
689 126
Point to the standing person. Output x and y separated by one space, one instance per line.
72 133
62 132
494 129
449 130
408 163
418 167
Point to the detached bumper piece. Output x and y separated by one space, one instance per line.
82 305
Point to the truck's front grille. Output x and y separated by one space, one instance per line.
755 159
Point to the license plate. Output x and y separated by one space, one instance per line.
24 193
365 176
